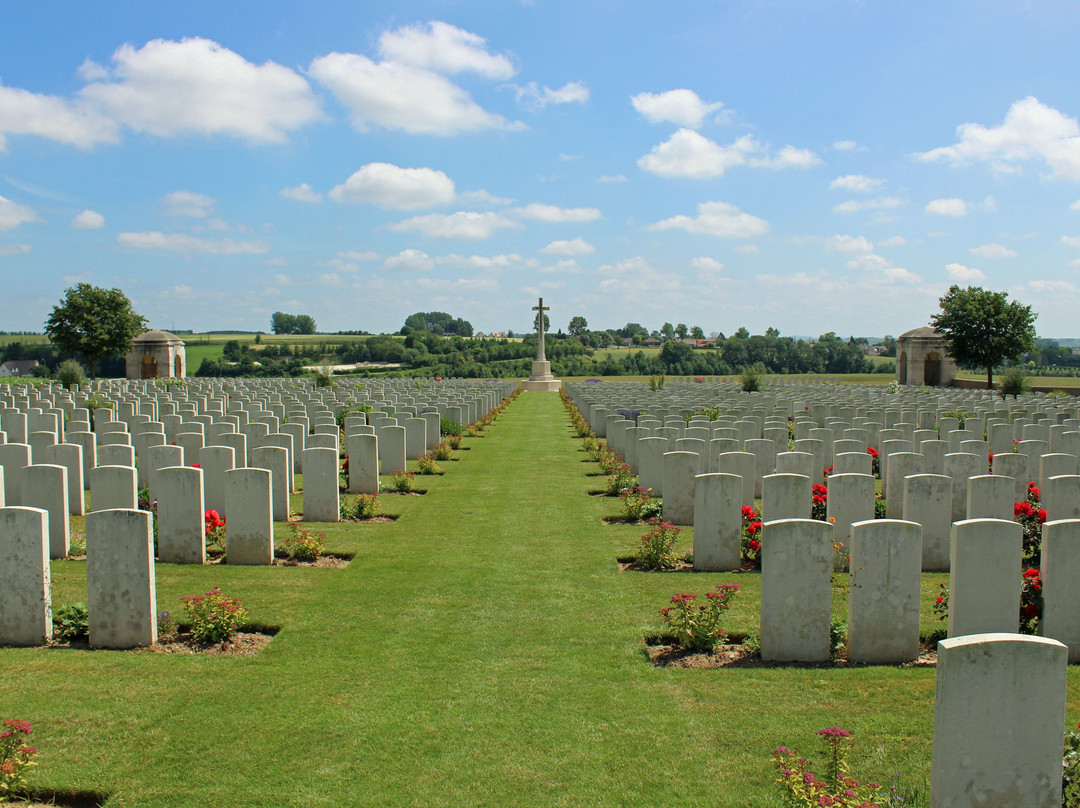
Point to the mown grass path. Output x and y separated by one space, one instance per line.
482 650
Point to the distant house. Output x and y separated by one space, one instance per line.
480 335
18 367
497 335
651 342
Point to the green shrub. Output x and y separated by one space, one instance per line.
696 626
750 379
1014 382
70 372
657 550
427 465
303 545
214 616
442 452
366 505
71 622
448 426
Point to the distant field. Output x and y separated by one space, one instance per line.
28 339
1066 382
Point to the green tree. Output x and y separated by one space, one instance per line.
697 333
94 322
305 324
282 323
578 326
983 328
667 331
680 331
547 322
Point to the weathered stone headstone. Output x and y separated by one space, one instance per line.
984 595
999 709
181 521
883 608
120 582
249 532
717 522
25 593
796 590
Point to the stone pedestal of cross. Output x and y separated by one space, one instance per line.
541 378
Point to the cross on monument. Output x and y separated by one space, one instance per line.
540 308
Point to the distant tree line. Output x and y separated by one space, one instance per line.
437 322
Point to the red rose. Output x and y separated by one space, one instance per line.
1031 610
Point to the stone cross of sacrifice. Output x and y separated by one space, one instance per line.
540 309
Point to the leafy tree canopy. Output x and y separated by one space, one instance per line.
282 323
982 328
578 326
439 322
94 322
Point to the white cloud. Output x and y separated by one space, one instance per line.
895 241
900 275
847 145
1030 130
689 154
88 220
1070 241
788 157
577 246
443 48
302 193
330 278
538 212
962 274
947 207
188 204
409 261
748 249
1050 287
716 219
850 245
990 205
1075 205
536 97
482 197
26 113
869 262
567 266
993 251
611 178
282 280
394 188
680 107
183 243
359 255
482 262
706 264
15 249
13 214
854 205
460 226
855 182
196 86
402 97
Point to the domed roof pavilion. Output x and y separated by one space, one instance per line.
922 358
156 355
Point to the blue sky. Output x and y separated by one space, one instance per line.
829 166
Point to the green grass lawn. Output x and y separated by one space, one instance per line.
482 650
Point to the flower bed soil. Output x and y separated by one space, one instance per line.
630 565
324 561
242 644
663 654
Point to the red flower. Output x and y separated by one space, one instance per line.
1031 485
753 528
196 466
1041 514
755 544
870 450
941 599
1031 610
1031 573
